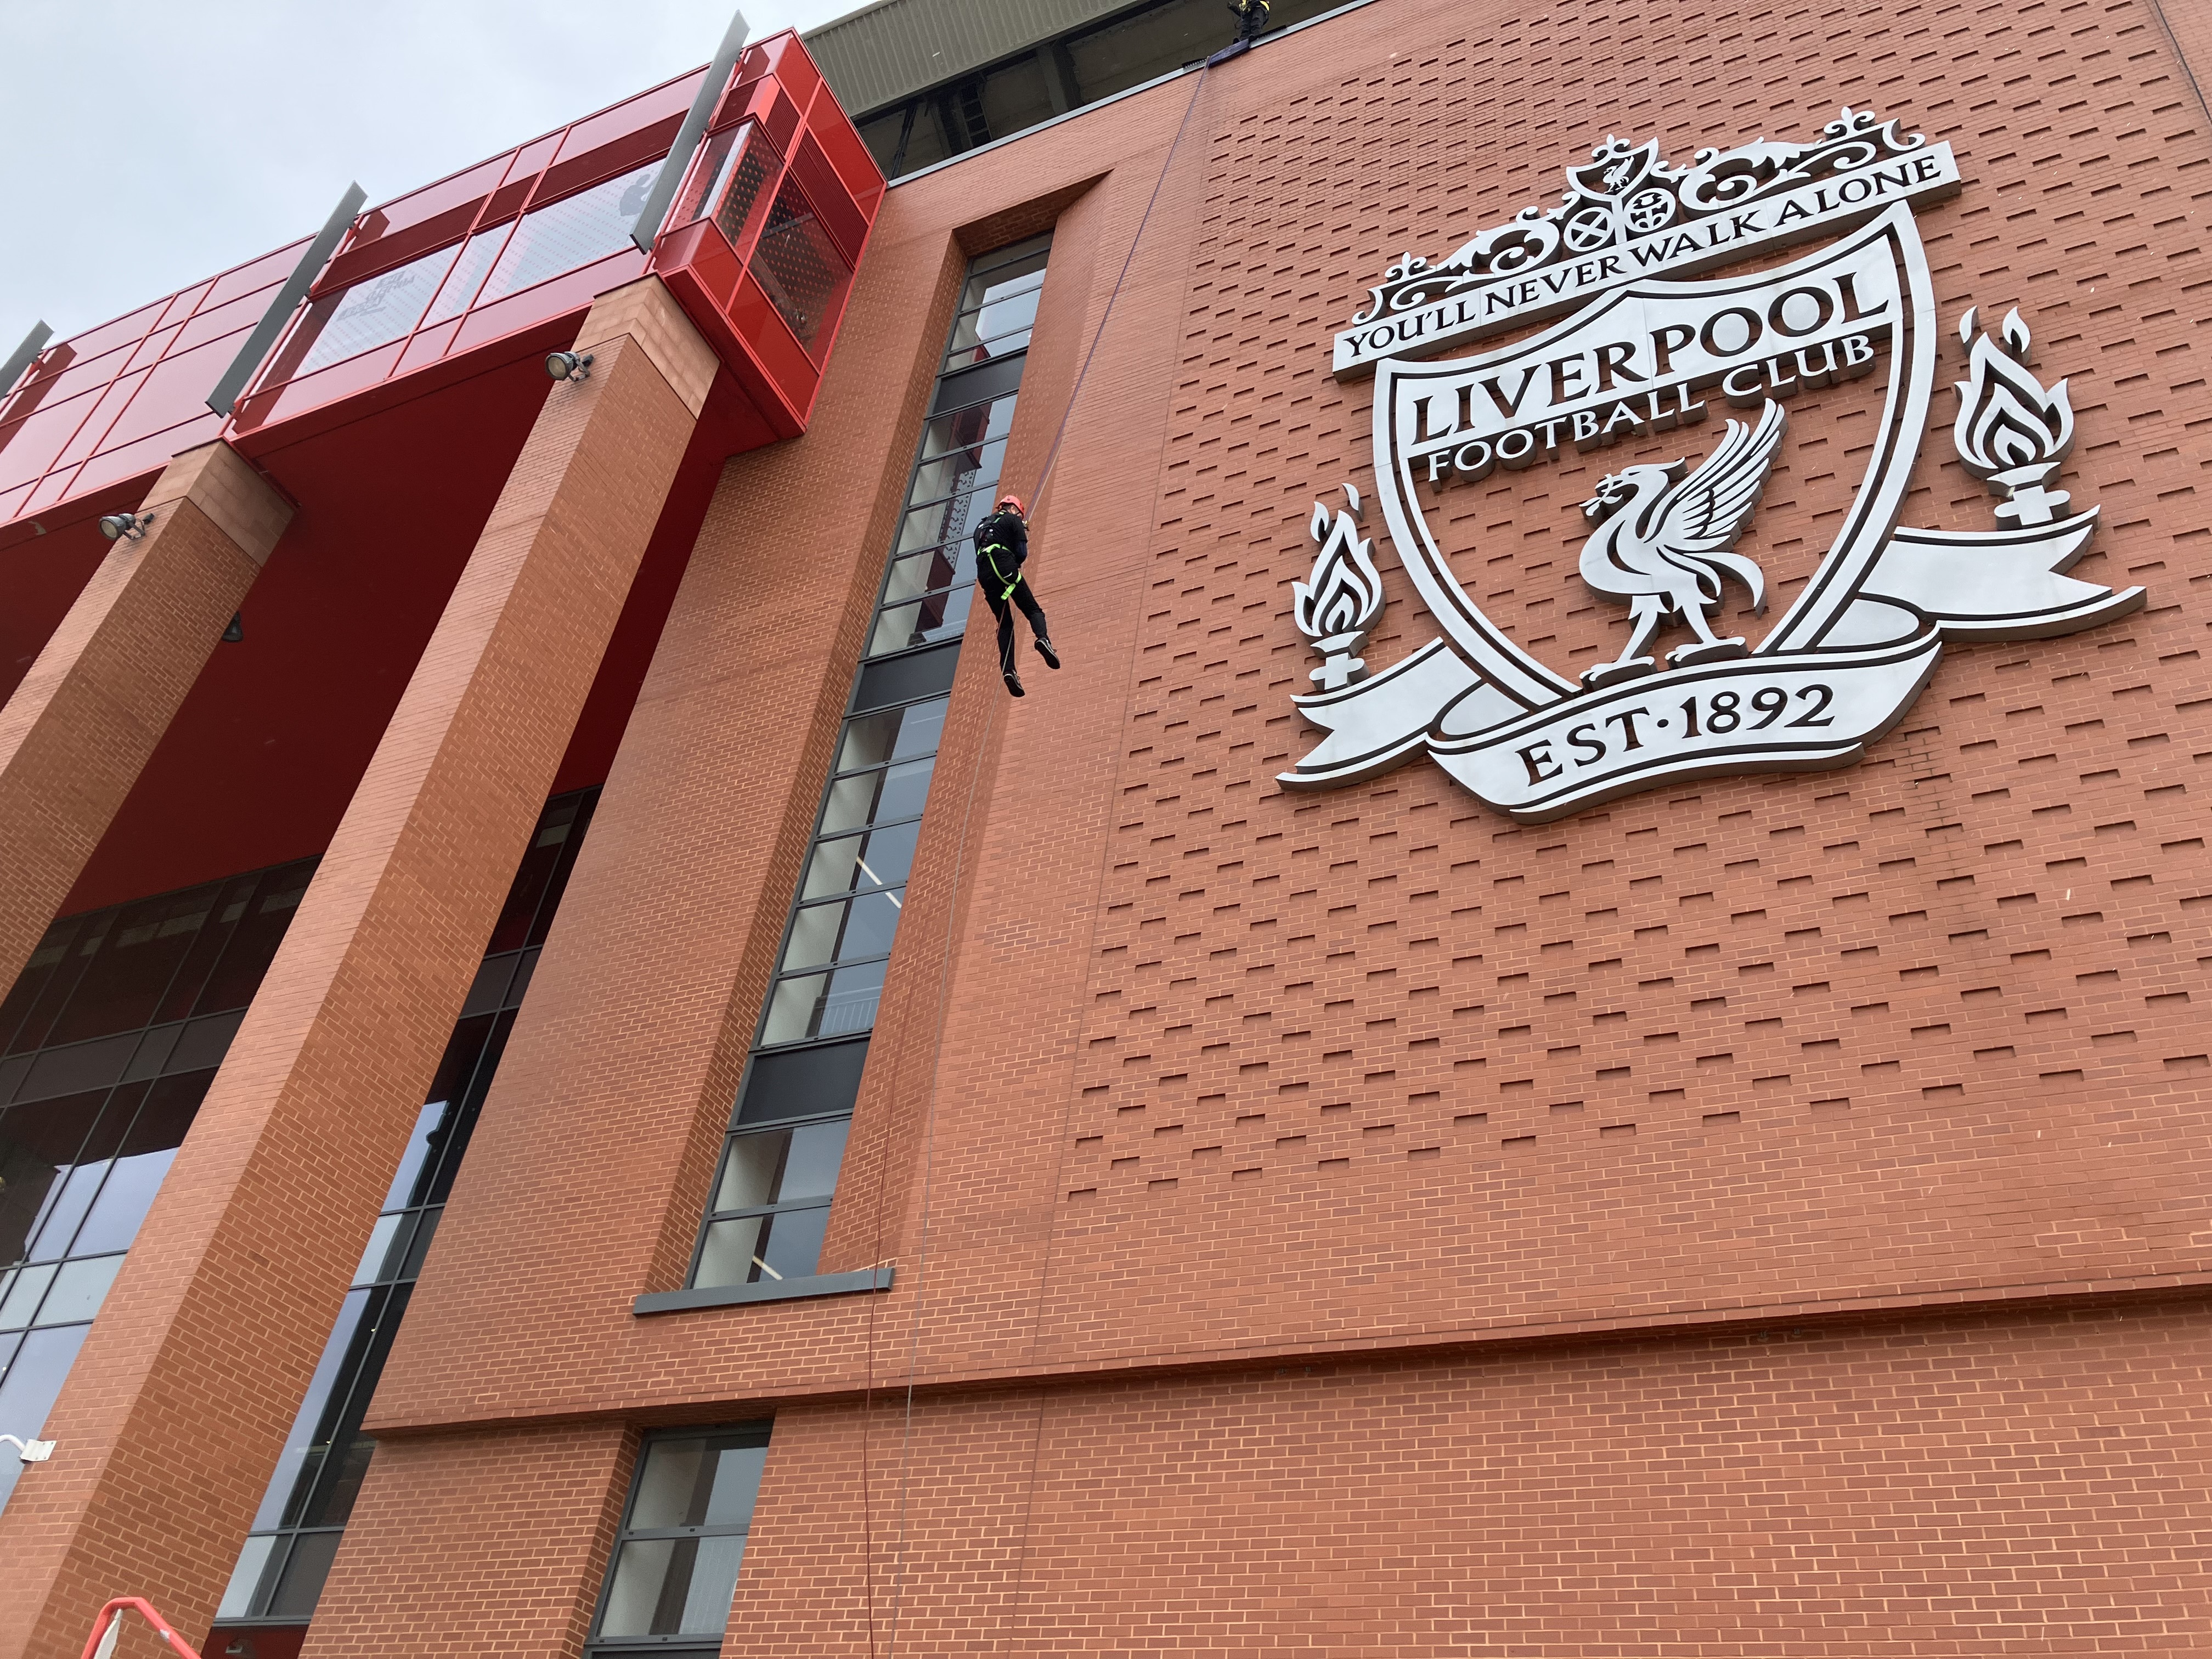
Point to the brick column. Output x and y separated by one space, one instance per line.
172 1420
81 726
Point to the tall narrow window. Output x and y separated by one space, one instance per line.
675 1564
280 1572
771 1203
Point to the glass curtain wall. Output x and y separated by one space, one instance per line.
108 1042
770 1204
1077 68
303 1516
674 1568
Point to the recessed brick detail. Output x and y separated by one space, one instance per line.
78 729
178 1403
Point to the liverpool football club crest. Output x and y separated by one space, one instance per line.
1702 304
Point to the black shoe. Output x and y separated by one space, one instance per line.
1014 683
1044 649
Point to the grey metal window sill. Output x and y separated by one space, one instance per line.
772 1290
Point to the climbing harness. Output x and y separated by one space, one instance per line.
999 575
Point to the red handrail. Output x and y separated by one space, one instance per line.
111 1616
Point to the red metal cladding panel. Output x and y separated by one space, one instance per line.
772 305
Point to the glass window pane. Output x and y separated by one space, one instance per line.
924 621
301 1585
1009 270
791 1244
27 1390
726 1255
467 275
123 985
24 1292
963 470
571 232
125 1197
371 314
876 858
735 1485
897 734
79 1289
379 1246
800 267
300 1456
877 797
641 1572
246 1578
39 1146
930 569
757 1248
714 1584
967 429
779 1165
666 1483
996 329
823 933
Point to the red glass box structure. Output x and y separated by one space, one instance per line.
498 262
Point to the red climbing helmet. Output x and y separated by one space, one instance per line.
1014 502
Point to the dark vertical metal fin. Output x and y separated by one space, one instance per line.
225 395
687 136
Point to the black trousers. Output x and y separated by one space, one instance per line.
1004 612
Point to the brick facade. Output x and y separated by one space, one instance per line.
76 731
1763 1219
182 1395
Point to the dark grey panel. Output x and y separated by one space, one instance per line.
903 679
804 1082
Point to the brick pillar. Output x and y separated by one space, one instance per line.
81 726
173 1417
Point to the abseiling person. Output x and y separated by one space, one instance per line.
1002 547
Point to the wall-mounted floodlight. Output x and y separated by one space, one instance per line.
30 1452
125 526
568 365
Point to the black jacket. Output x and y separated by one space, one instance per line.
1006 530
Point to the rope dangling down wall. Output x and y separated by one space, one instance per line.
919 1279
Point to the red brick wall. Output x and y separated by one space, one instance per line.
1958 1488
1225 1073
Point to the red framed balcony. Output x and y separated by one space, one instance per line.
769 226
495 263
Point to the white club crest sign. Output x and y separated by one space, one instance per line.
1642 266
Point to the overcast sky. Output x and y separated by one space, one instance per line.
146 143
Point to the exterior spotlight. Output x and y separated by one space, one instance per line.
568 366
236 631
30 1452
125 526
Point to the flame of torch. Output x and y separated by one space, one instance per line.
1338 607
2011 433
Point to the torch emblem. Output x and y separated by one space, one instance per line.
1337 608
2012 434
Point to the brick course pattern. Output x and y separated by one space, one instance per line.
174 1413
78 729
1182 1082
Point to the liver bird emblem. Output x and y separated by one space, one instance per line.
1662 540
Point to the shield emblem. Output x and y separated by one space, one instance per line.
1717 363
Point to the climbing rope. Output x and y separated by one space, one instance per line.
944 986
